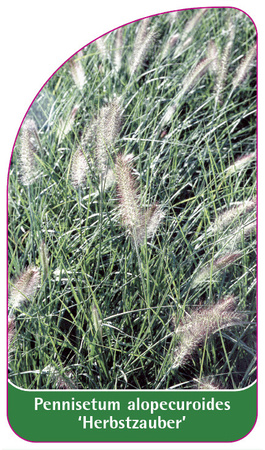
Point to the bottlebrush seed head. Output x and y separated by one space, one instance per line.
107 126
28 152
217 265
152 219
193 22
197 327
77 72
224 63
241 163
65 126
244 67
24 288
127 193
232 214
143 41
214 55
194 76
102 47
79 169
139 223
118 49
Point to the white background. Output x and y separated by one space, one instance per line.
36 38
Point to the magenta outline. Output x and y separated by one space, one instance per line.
146 442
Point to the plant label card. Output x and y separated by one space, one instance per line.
132 238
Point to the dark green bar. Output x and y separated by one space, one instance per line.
218 425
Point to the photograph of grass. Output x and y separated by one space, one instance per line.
132 212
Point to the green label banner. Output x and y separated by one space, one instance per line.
116 416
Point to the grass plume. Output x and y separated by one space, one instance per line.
233 214
77 72
244 67
224 63
79 169
212 268
240 163
107 126
197 327
11 333
143 41
24 288
118 49
28 151
138 223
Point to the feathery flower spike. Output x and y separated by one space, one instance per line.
107 126
196 328
224 63
28 151
139 223
241 163
217 265
143 41
24 288
79 169
244 67
118 49
77 72
127 193
232 214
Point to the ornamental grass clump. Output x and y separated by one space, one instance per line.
24 288
138 222
198 326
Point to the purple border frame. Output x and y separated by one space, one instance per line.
120 442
